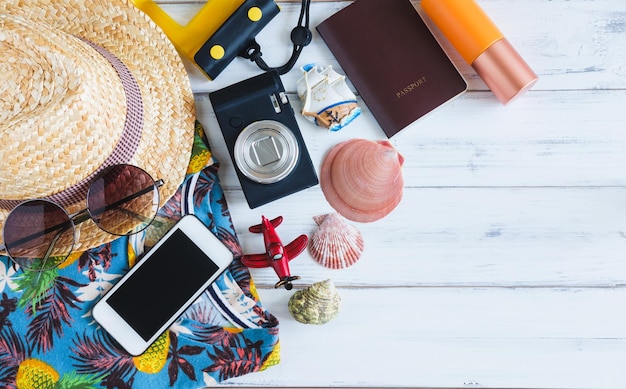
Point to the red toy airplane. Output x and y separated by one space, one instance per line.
276 255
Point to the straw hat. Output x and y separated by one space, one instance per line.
85 84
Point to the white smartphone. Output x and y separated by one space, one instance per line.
166 281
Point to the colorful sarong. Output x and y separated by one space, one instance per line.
48 338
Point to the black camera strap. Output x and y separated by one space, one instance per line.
300 37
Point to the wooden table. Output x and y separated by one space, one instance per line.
505 263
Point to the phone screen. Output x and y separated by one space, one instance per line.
164 283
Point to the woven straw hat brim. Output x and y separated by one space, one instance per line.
38 166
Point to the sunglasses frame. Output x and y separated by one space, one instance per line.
81 216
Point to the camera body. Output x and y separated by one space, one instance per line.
263 139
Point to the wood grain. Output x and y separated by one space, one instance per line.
505 263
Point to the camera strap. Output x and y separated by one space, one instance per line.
300 37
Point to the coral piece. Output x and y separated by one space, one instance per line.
317 304
328 102
362 179
336 244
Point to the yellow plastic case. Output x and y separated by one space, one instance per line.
217 33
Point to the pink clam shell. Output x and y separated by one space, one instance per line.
362 179
336 244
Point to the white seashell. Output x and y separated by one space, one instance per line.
336 244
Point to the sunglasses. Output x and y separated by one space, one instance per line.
121 200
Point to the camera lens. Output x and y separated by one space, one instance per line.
266 151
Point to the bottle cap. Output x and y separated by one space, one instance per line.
482 45
504 71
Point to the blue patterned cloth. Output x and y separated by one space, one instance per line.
48 338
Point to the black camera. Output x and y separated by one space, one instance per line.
263 139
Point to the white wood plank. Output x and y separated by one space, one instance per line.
455 338
448 230
570 44
470 236
504 264
545 139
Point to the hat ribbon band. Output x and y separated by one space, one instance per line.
126 147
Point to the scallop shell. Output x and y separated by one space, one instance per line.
362 179
336 244
317 304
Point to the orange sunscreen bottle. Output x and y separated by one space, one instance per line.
482 45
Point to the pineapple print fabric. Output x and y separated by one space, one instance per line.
48 338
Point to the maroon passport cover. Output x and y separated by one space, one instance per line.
393 60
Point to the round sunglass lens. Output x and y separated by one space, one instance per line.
38 235
123 200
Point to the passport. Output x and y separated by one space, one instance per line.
393 60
